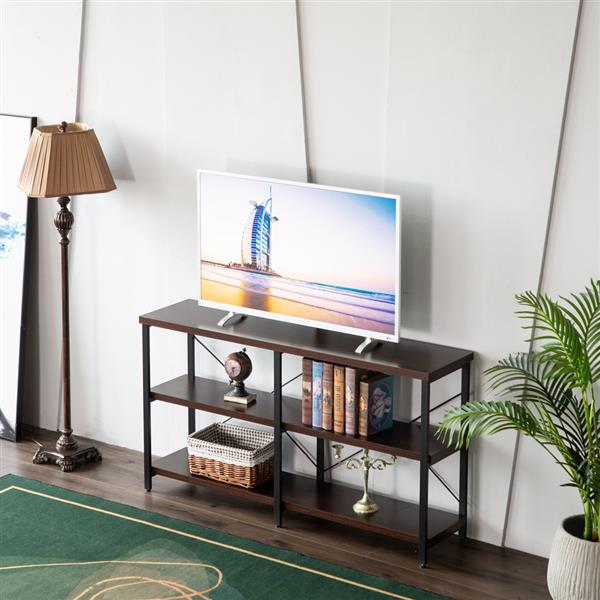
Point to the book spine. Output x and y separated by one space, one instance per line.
317 393
350 401
306 391
327 414
379 414
338 399
363 409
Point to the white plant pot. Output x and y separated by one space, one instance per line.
574 565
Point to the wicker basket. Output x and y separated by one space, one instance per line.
232 454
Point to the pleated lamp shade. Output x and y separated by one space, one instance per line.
65 160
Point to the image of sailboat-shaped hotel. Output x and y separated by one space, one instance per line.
253 283
256 237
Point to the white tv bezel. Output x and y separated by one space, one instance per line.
241 310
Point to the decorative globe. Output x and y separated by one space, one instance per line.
238 366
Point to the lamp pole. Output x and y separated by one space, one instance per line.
64 221
66 453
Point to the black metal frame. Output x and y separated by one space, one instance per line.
425 467
301 448
423 542
147 406
31 223
465 388
277 429
191 371
424 474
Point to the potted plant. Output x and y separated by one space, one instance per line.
549 396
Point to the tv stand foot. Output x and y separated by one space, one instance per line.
230 318
366 345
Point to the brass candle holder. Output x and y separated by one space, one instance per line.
365 505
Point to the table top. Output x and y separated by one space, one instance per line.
410 358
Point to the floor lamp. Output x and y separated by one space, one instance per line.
65 160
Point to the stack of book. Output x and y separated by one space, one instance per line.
346 400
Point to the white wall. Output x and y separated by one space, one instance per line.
345 52
188 85
573 257
451 105
473 126
39 61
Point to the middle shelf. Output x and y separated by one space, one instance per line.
200 393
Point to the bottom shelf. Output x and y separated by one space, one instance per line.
175 466
329 501
333 502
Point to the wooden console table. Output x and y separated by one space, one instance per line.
416 523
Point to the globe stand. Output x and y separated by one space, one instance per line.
239 394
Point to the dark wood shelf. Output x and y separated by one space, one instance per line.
207 394
333 502
329 501
410 358
175 466
201 393
402 440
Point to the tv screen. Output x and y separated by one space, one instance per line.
309 254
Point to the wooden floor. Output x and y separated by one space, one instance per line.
470 571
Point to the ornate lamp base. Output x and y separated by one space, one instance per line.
66 459
365 506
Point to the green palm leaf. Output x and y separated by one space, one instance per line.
477 418
561 343
528 379
548 395
584 311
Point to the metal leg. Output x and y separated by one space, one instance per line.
465 389
320 459
277 504
147 405
191 366
424 478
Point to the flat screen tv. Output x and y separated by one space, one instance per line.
308 254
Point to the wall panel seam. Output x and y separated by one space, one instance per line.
545 248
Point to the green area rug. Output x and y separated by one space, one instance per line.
58 544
